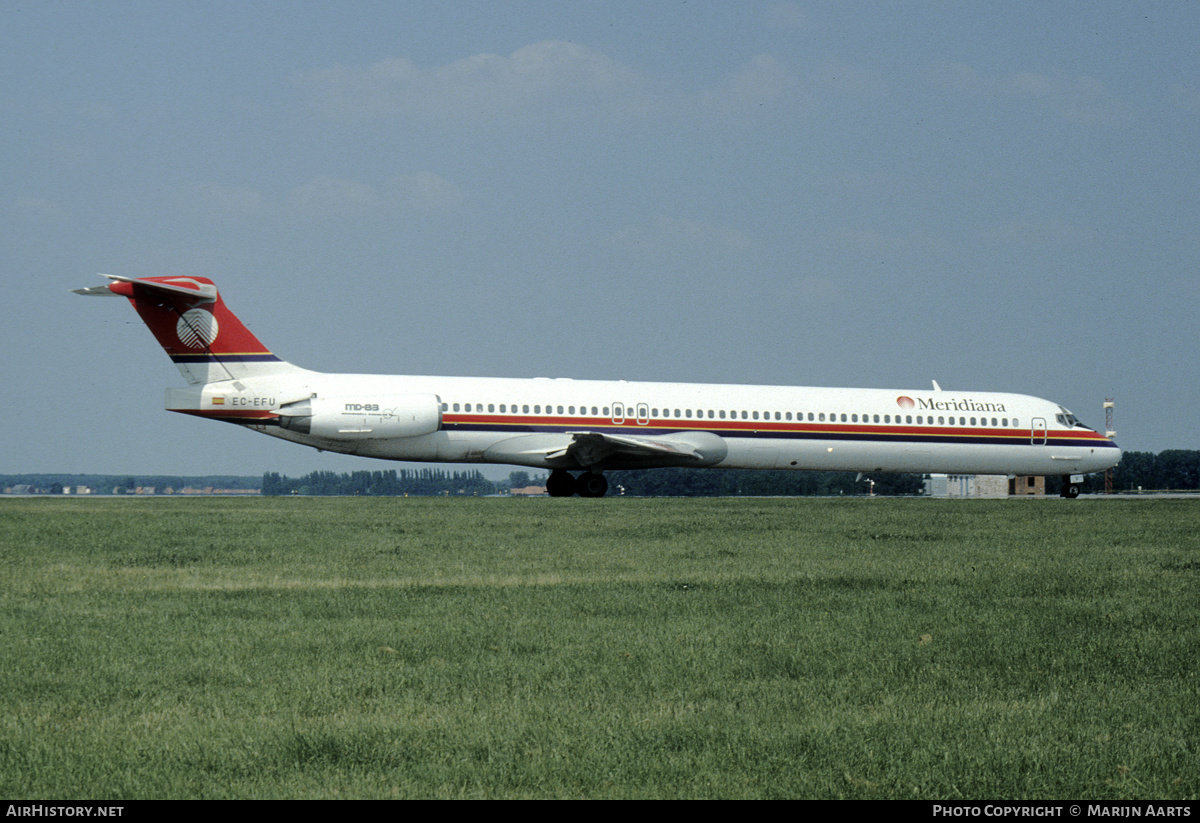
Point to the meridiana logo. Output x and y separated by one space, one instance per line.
197 328
967 404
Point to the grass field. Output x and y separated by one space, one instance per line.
210 648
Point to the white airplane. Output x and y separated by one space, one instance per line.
590 426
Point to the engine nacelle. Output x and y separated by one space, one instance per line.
364 417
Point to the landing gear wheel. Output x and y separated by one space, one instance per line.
1070 491
560 484
591 485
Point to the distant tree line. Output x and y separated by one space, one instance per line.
755 483
389 483
641 483
1177 469
123 483
1174 469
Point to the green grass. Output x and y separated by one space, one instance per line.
160 648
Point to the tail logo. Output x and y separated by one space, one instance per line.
197 328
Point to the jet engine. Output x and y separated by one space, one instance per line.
363 417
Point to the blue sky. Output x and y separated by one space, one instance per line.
998 196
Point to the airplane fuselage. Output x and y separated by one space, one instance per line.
517 421
591 426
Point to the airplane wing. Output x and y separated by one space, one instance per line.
595 449
590 448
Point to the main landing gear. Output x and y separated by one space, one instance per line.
563 484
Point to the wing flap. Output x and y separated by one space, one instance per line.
590 448
604 450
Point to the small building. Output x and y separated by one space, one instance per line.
967 485
1023 486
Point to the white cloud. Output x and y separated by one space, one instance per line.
36 209
555 81
428 192
536 78
1079 98
326 196
762 79
323 196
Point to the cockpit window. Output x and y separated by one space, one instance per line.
1069 420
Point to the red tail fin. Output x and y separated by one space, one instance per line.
191 322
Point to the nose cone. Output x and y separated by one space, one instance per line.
1106 456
